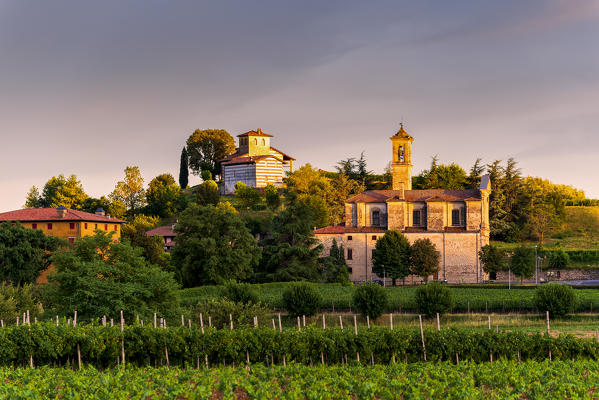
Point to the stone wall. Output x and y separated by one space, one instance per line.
556 275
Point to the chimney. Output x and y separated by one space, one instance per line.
62 211
100 211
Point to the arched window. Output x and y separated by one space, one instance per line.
263 142
376 218
401 154
255 141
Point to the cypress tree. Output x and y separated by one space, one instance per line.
184 169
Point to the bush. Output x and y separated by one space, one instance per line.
219 311
558 259
240 293
14 301
370 299
301 299
556 298
433 298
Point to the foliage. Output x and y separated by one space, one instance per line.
24 253
207 193
433 298
370 299
424 258
440 176
248 196
558 259
116 209
355 169
335 268
98 277
206 175
493 258
162 196
58 191
392 256
184 169
240 293
301 299
152 246
558 299
206 147
219 310
130 191
271 196
213 246
522 262
291 252
16 300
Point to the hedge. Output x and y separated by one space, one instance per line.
100 346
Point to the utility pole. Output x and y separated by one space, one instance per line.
536 267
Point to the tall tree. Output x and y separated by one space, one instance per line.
424 258
206 147
152 246
493 259
213 246
33 199
291 252
392 256
441 176
334 266
58 191
130 190
24 253
162 196
184 169
475 174
522 262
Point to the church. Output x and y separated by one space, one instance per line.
456 221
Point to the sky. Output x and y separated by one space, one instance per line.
90 87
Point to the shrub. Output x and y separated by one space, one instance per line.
556 298
240 293
219 311
370 299
433 298
14 301
301 299
558 259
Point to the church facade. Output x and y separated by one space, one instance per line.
255 163
456 221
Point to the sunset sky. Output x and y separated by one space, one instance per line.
89 87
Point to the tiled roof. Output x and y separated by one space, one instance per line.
381 196
246 160
255 133
51 214
348 229
285 156
166 230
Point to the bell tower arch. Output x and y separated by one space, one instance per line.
402 160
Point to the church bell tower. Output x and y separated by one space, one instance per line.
402 160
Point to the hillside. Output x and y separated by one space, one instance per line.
580 231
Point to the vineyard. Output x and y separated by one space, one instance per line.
104 347
497 380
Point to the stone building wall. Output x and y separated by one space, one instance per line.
556 275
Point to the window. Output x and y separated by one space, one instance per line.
376 218
263 142
350 254
71 240
455 217
105 227
115 228
50 227
373 237
401 154
85 225
349 270
255 141
96 226
33 226
71 225
349 237
417 218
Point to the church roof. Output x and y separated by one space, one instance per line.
381 196
348 229
402 133
257 132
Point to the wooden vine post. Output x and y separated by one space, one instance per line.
78 348
123 338
280 331
391 326
438 323
356 334
422 336
548 333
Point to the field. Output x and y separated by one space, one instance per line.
497 380
490 298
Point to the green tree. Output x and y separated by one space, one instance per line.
24 253
33 199
58 191
207 193
162 196
184 169
433 298
474 177
206 147
152 246
558 259
130 190
392 256
271 196
291 252
441 176
334 266
248 196
213 246
98 277
424 258
370 299
493 259
522 262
